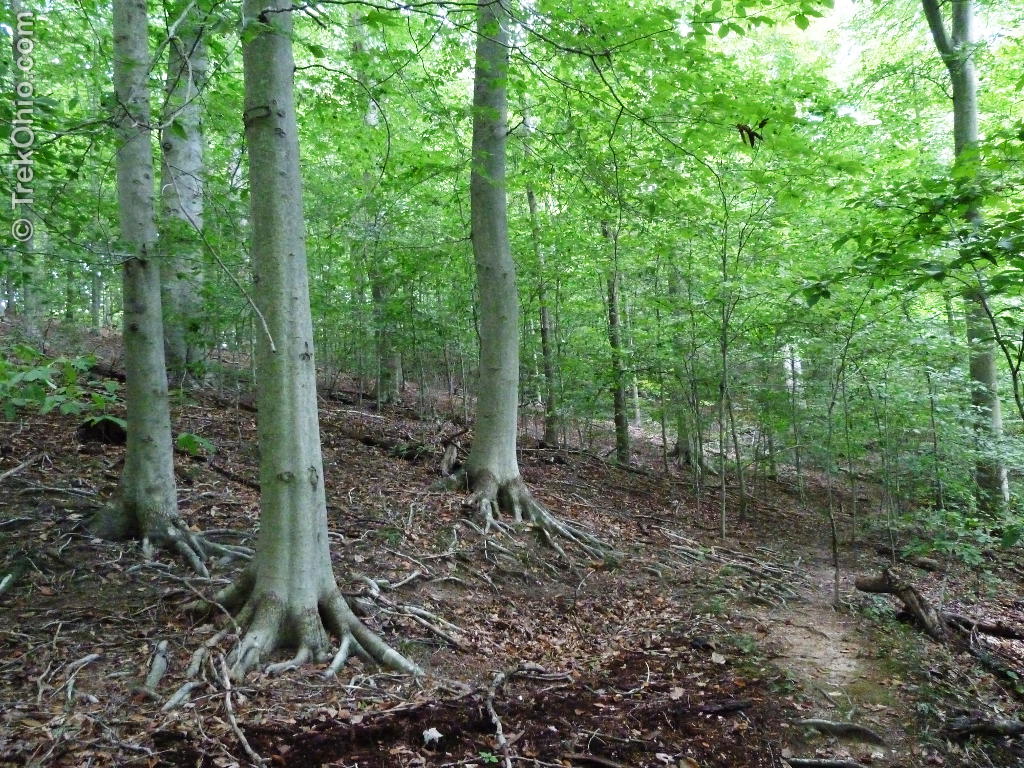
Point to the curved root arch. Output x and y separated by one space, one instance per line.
193 547
161 529
514 500
268 622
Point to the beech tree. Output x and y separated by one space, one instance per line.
181 186
147 505
287 596
492 468
956 45
754 187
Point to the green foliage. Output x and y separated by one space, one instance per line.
30 381
835 236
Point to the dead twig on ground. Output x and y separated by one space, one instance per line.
229 710
15 470
499 680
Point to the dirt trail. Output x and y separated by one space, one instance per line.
832 657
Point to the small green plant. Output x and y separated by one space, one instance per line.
487 757
194 445
876 607
391 535
31 381
744 643
714 604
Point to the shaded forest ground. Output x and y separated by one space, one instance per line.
689 652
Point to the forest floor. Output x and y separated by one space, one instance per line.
691 651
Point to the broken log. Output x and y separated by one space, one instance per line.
410 450
918 561
936 625
888 583
993 628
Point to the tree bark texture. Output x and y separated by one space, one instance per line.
288 596
181 184
956 47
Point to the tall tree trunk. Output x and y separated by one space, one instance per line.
388 369
389 358
989 471
492 459
182 192
95 299
546 344
148 505
492 468
956 47
71 292
615 343
288 595
634 381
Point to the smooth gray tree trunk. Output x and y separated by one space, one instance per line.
148 506
288 596
956 47
492 459
622 446
181 185
492 468
547 348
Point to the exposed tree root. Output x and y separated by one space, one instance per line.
513 500
194 548
229 710
844 730
444 629
762 580
965 727
157 669
267 622
168 532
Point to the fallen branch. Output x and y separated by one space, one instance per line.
224 472
815 762
965 727
15 470
577 757
718 707
887 583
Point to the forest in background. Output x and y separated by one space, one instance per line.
734 245
729 228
